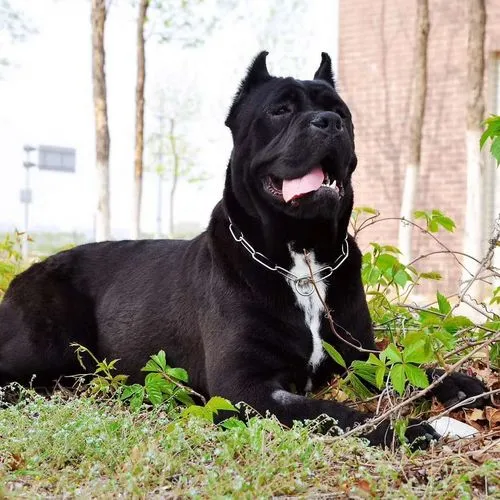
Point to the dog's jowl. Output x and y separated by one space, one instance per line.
235 306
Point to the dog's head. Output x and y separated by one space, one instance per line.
293 145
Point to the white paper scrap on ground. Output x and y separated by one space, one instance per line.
449 427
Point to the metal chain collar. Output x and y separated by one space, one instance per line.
303 284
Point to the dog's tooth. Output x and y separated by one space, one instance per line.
334 185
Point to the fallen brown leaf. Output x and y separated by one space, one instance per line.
474 414
15 462
364 485
492 416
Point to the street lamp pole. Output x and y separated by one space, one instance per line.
26 198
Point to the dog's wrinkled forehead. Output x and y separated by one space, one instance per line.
259 86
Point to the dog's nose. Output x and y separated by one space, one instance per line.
327 120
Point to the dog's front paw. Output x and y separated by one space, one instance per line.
419 435
458 387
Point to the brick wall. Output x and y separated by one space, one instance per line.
375 71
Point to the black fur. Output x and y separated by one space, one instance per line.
232 324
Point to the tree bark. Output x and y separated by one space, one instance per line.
139 119
102 142
475 115
416 121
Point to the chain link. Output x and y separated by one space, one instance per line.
299 281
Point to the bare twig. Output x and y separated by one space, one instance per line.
417 226
468 345
437 252
328 314
487 258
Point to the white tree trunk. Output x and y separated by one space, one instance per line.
475 115
102 141
407 207
136 210
416 122
139 120
102 220
473 217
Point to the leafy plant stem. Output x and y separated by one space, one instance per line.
373 422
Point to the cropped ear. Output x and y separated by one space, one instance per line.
257 74
324 72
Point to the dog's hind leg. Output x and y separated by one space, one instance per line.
17 356
29 354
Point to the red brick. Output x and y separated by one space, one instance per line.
375 76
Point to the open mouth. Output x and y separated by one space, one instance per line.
291 190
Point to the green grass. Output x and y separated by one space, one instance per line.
72 446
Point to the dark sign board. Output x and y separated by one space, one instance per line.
56 158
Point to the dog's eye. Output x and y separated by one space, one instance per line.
282 109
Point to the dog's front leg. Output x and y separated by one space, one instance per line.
457 387
272 397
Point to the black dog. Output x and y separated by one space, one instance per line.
234 306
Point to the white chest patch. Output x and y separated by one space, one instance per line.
311 305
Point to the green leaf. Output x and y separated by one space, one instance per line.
447 223
433 226
366 210
150 366
428 318
374 276
131 390
392 353
495 355
400 427
359 388
416 376
398 379
455 323
386 261
493 325
495 149
418 352
155 382
233 423
391 249
433 275
134 395
118 380
364 370
379 376
154 393
157 363
443 304
447 339
160 359
216 404
198 411
374 360
412 337
334 354
484 137
178 373
401 278
183 397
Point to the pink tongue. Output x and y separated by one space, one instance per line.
295 188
